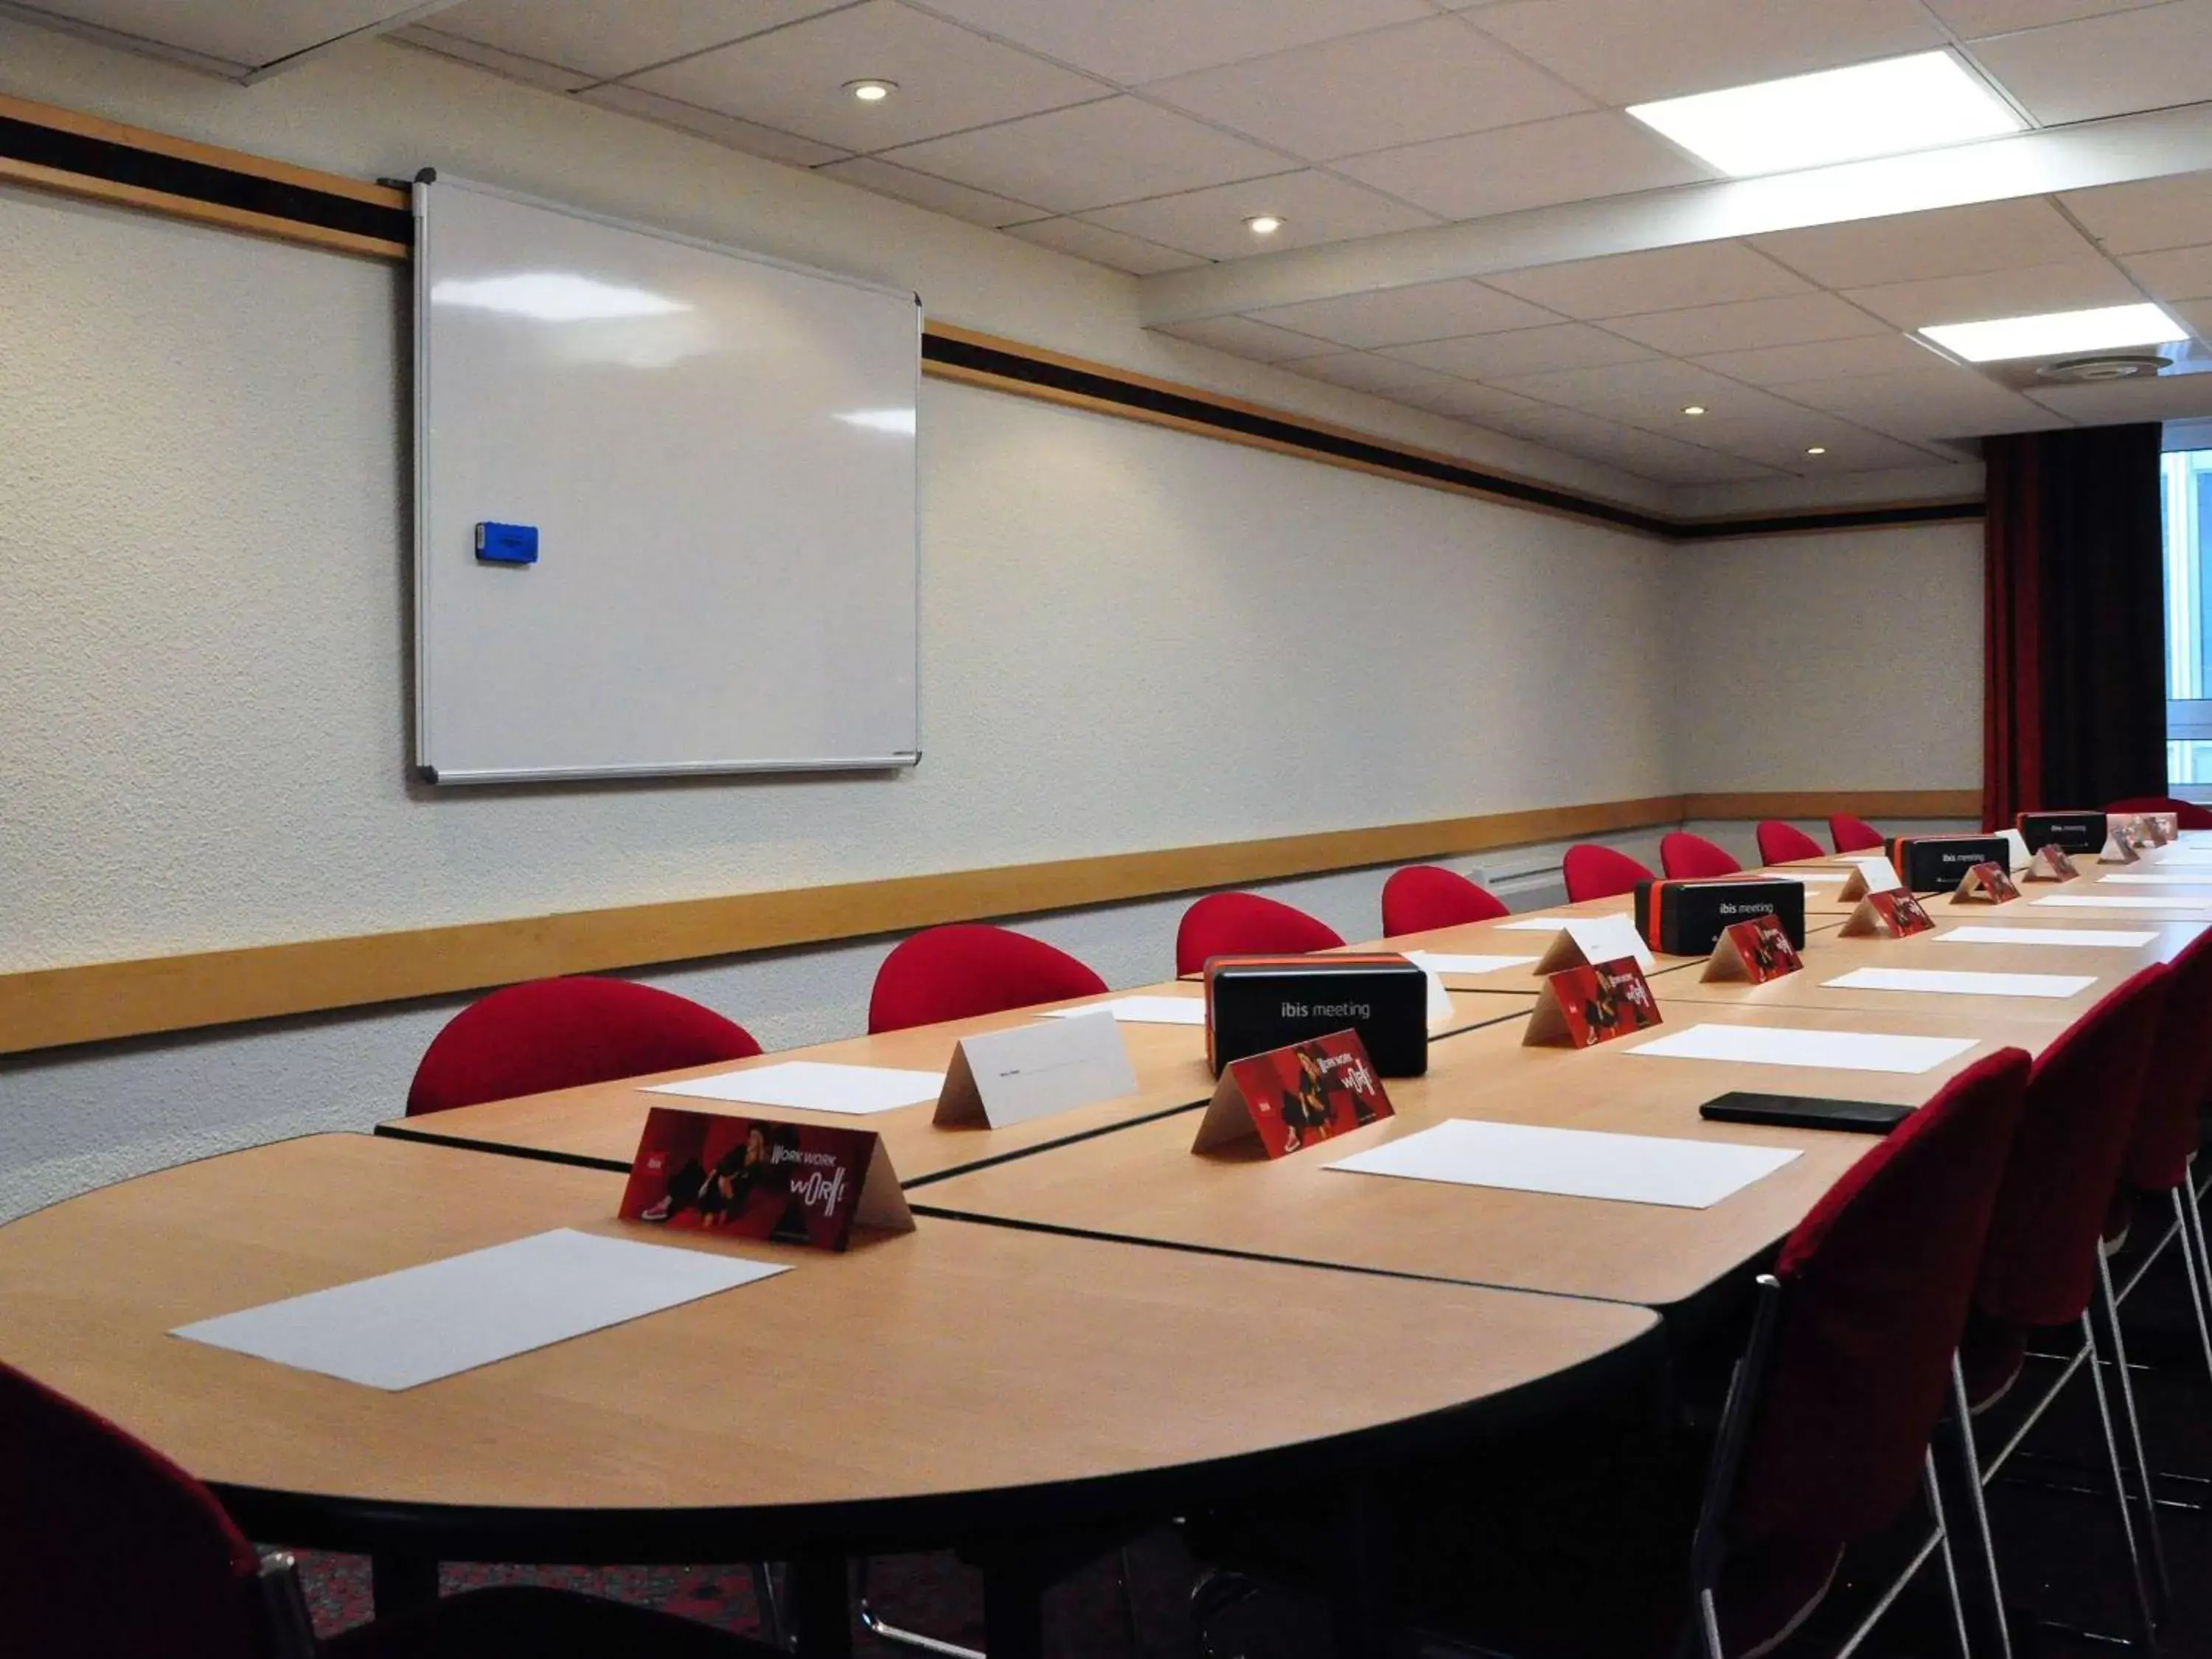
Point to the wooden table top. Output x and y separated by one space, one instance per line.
1146 1183
953 1366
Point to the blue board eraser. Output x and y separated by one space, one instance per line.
507 543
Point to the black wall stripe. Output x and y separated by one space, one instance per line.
1106 388
201 181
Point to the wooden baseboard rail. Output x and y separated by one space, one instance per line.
105 1001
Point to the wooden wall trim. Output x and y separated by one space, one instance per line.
103 1001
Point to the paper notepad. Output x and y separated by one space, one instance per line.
814 1086
405 1329
1964 984
1444 961
1141 1011
1775 1045
1692 1175
2142 902
2084 938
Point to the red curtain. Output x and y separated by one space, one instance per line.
2074 626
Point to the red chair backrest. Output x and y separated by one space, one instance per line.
1423 896
1247 924
2188 815
969 968
2075 1130
106 1547
2179 1078
1853 835
1596 872
1877 1282
563 1033
1685 857
1785 843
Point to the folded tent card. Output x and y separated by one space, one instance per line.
1004 1078
1579 941
1985 883
792 1183
2051 863
1896 915
1593 1002
1870 875
1758 950
1295 1097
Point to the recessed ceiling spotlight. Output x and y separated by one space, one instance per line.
1925 102
1264 224
1817 449
1694 408
2103 328
871 91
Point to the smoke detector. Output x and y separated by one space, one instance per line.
2104 366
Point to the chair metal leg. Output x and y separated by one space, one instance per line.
2193 1218
2192 1268
1709 1624
768 1601
1935 1490
2156 1533
1125 1581
1984 1589
897 1635
2145 1619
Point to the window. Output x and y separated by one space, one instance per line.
2188 503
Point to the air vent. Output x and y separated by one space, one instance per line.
2111 366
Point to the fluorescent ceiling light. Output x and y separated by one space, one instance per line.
2056 332
553 296
1923 102
881 419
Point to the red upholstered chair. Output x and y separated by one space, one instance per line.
1852 835
969 968
1597 872
1785 843
109 1549
2188 815
1423 896
1247 924
1685 857
563 1033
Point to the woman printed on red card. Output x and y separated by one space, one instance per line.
1305 1106
714 1195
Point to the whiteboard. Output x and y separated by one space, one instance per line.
716 451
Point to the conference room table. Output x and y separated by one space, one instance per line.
1011 1392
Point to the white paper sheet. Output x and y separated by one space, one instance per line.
2181 855
401 1329
1692 1175
1141 1011
815 1087
1776 1045
2139 902
2095 939
2202 882
1445 962
1600 938
1794 873
1963 984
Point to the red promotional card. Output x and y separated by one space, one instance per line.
1758 950
1295 1097
746 1177
2051 863
1583 1006
1887 915
1985 883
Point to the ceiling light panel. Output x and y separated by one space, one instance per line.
2105 328
1929 100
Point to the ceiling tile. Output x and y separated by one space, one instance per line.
1824 360
1907 246
1364 371
1484 405
1102 247
1622 53
1523 351
978 207
1662 279
1398 316
1987 293
2166 397
1397 86
2131 60
606 41
1783 444
1791 320
1655 390
1242 337
1942 400
1643 453
2175 273
1093 155
515 67
249 35
793 78
1570 158
2156 213
1314 207
1136 40
747 136
1972 19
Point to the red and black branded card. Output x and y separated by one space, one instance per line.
2051 863
1295 1097
1895 915
742 1177
1757 951
1986 884
1581 1007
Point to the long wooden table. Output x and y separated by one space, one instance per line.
961 1384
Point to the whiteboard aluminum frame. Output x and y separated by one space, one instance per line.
427 179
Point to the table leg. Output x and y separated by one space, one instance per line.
820 1606
400 1583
